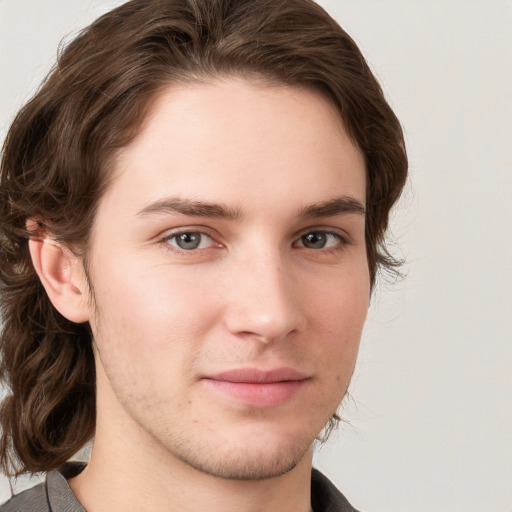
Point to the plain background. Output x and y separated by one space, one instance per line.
429 422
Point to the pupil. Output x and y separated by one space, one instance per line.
188 241
314 240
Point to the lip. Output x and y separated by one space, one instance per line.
258 388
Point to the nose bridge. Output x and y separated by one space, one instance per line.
264 296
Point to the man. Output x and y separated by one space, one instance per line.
193 209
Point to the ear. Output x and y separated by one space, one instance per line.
61 273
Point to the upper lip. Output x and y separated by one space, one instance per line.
256 376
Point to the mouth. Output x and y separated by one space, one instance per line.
258 388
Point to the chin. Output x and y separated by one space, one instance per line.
254 458
247 466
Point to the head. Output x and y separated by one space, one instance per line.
61 159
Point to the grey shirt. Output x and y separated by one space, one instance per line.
55 495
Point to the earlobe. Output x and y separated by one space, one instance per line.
61 274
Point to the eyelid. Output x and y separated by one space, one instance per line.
205 230
340 233
202 230
342 242
343 237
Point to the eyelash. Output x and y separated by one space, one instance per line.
175 248
342 241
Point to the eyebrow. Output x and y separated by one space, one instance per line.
191 208
333 207
330 208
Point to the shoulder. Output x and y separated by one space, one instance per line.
325 497
53 495
31 500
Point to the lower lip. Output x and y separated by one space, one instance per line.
269 394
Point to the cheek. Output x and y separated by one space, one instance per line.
148 331
341 300
338 313
151 310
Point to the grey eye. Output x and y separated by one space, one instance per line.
315 240
319 240
190 240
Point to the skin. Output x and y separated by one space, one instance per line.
275 282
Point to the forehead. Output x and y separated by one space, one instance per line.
231 140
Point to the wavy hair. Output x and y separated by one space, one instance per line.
55 167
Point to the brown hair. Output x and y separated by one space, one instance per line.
56 158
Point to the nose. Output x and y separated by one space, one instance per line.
264 299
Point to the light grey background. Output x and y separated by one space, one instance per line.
430 419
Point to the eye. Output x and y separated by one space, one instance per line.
320 240
190 240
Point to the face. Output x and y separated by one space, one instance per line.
230 279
